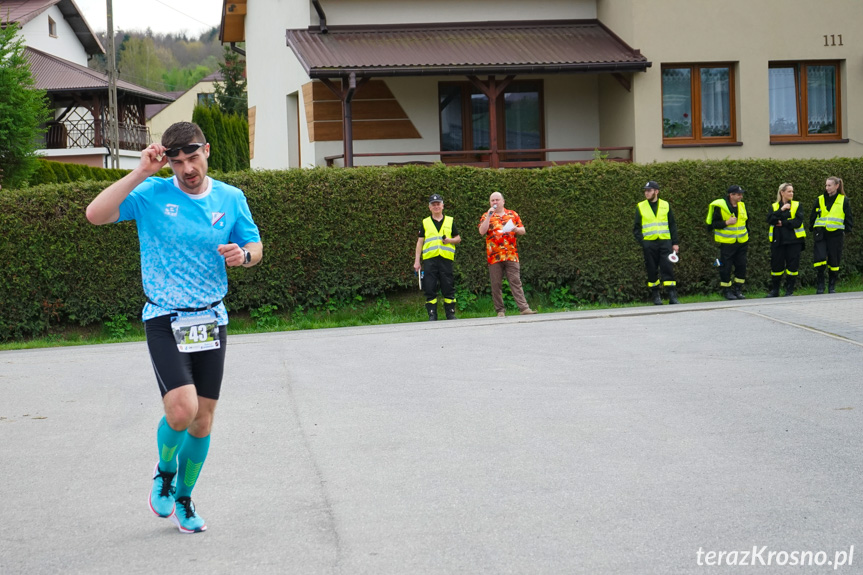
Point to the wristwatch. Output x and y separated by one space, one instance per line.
247 256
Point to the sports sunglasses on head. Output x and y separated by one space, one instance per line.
187 149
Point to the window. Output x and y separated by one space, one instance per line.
464 121
206 99
698 104
52 27
804 101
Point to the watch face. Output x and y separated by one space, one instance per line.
247 256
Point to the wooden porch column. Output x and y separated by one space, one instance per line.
492 91
346 95
349 86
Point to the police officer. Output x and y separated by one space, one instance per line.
786 240
655 230
727 218
438 237
829 221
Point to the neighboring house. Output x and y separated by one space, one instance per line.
514 83
161 116
59 43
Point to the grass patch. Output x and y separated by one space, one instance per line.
403 307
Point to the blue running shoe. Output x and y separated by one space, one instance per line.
185 518
162 494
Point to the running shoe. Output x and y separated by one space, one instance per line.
162 493
185 518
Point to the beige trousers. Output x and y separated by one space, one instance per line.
513 276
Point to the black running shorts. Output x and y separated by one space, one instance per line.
174 369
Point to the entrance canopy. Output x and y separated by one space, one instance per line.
547 47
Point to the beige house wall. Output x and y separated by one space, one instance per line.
273 74
180 110
751 34
358 12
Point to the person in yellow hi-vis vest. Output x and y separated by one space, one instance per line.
727 218
829 221
786 240
655 230
436 248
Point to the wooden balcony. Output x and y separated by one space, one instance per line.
94 134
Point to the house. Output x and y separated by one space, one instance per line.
161 116
511 83
59 43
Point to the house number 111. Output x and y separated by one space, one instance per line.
832 41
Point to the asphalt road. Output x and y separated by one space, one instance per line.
634 441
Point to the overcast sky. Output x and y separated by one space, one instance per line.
162 16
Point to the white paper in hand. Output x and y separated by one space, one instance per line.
507 227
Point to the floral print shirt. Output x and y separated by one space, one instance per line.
499 246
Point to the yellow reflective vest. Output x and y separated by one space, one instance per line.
654 226
729 234
432 246
835 218
799 232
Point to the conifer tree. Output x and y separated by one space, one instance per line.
23 111
228 136
231 93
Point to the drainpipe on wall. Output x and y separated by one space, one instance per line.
321 16
239 51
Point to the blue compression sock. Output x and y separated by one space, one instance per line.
168 441
193 453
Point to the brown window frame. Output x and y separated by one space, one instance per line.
52 27
802 92
695 88
467 89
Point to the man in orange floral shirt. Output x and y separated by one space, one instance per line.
500 228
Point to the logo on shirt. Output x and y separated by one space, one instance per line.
172 210
218 219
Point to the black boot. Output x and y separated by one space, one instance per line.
728 293
657 299
432 309
819 281
774 287
831 284
672 296
790 282
738 292
449 309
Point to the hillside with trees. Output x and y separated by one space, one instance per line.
163 62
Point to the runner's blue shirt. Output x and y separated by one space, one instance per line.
179 235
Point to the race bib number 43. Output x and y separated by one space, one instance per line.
196 331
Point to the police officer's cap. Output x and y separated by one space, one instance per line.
651 185
736 190
435 198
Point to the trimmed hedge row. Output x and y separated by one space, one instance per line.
50 172
330 234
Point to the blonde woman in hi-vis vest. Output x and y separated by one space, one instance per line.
829 221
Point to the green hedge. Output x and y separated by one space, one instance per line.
50 172
331 234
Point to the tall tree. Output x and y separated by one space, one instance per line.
231 94
228 135
142 62
23 111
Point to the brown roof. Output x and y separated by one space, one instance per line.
54 74
467 48
22 11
